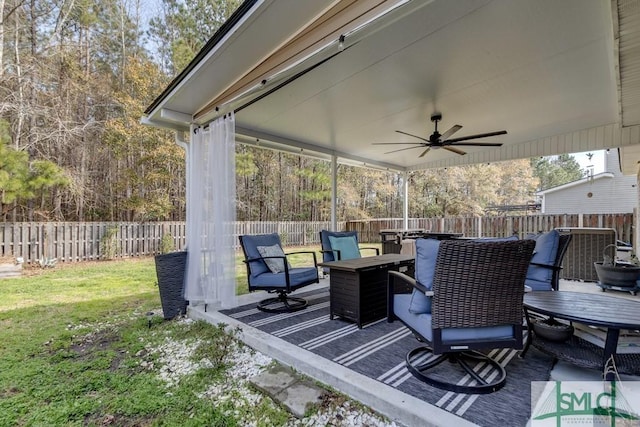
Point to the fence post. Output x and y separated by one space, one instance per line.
47 242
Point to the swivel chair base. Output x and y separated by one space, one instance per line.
282 304
477 384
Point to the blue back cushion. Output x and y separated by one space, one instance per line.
544 253
426 254
347 245
326 244
251 243
420 303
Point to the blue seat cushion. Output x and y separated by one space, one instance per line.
347 245
425 266
544 253
251 243
297 276
537 285
421 323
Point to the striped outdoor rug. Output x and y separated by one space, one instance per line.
378 351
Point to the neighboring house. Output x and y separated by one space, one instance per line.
606 192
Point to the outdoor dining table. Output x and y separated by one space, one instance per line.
612 313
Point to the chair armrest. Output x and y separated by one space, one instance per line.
549 266
263 258
283 258
403 279
315 262
375 249
400 283
336 251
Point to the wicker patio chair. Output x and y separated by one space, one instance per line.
466 296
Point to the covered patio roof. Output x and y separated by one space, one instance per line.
332 77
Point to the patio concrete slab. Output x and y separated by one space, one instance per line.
292 391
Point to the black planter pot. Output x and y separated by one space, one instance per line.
552 330
170 269
621 275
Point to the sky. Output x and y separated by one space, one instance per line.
598 160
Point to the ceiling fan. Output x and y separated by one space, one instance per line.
437 140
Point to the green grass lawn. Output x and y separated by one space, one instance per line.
77 348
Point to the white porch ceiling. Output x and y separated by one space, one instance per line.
546 71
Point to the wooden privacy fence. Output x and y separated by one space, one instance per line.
88 241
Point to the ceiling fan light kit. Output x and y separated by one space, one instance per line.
437 140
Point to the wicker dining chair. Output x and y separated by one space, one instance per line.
466 296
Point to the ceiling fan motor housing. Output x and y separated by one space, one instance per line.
435 136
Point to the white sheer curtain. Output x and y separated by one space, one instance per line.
211 197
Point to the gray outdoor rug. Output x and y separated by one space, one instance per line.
378 351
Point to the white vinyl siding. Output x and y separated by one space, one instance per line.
609 194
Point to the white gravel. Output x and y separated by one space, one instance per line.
174 362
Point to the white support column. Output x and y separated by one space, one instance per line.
334 192
405 202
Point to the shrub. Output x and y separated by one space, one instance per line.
166 244
109 244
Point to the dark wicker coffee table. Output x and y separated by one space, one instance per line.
358 287
604 311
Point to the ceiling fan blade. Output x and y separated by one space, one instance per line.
415 136
475 144
454 150
447 134
480 135
425 152
396 143
402 149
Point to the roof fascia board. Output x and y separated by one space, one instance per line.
226 30
576 183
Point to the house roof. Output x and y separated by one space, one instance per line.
577 183
331 77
